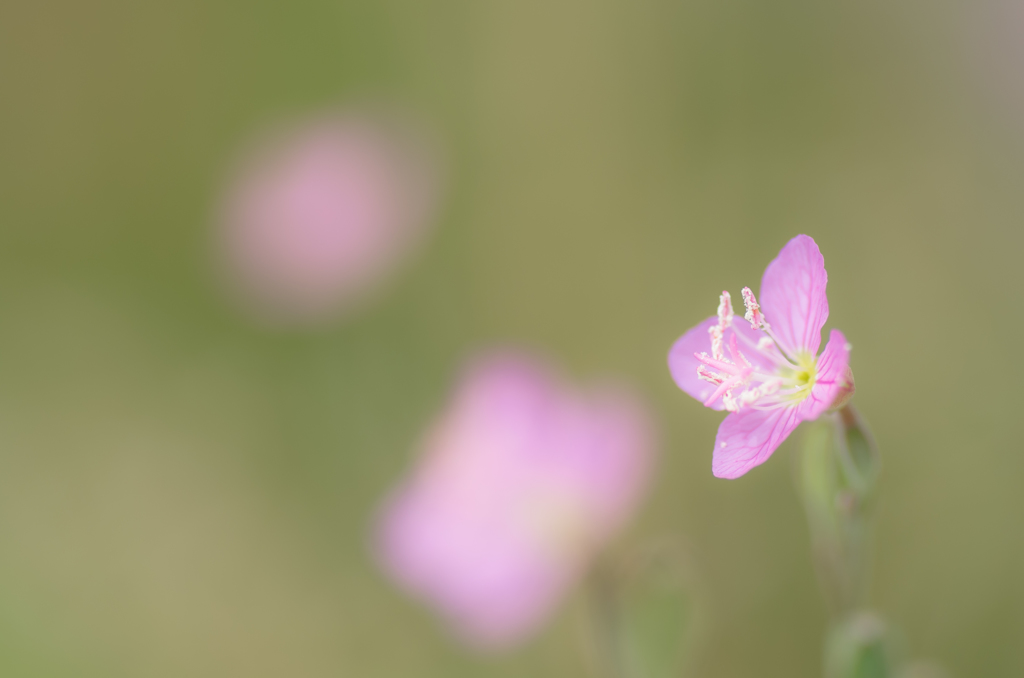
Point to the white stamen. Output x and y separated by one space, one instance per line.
707 375
725 313
753 314
717 332
769 383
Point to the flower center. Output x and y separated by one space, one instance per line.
801 377
774 379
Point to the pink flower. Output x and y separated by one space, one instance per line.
519 482
766 371
321 214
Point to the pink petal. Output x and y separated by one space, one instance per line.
683 365
793 295
746 439
831 379
492 587
521 478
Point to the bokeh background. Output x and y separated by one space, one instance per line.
187 492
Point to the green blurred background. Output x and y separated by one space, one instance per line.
184 493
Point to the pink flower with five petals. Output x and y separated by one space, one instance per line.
765 368
521 480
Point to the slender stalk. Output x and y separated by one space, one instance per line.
641 612
837 469
605 623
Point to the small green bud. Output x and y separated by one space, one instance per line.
922 669
858 647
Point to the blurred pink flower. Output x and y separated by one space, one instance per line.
319 215
520 481
768 376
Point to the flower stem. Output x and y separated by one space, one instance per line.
837 468
641 612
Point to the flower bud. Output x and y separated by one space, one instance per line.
858 647
922 669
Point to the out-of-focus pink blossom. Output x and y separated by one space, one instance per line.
519 482
320 214
766 371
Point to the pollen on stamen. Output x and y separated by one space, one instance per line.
753 314
707 375
725 313
717 342
717 332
